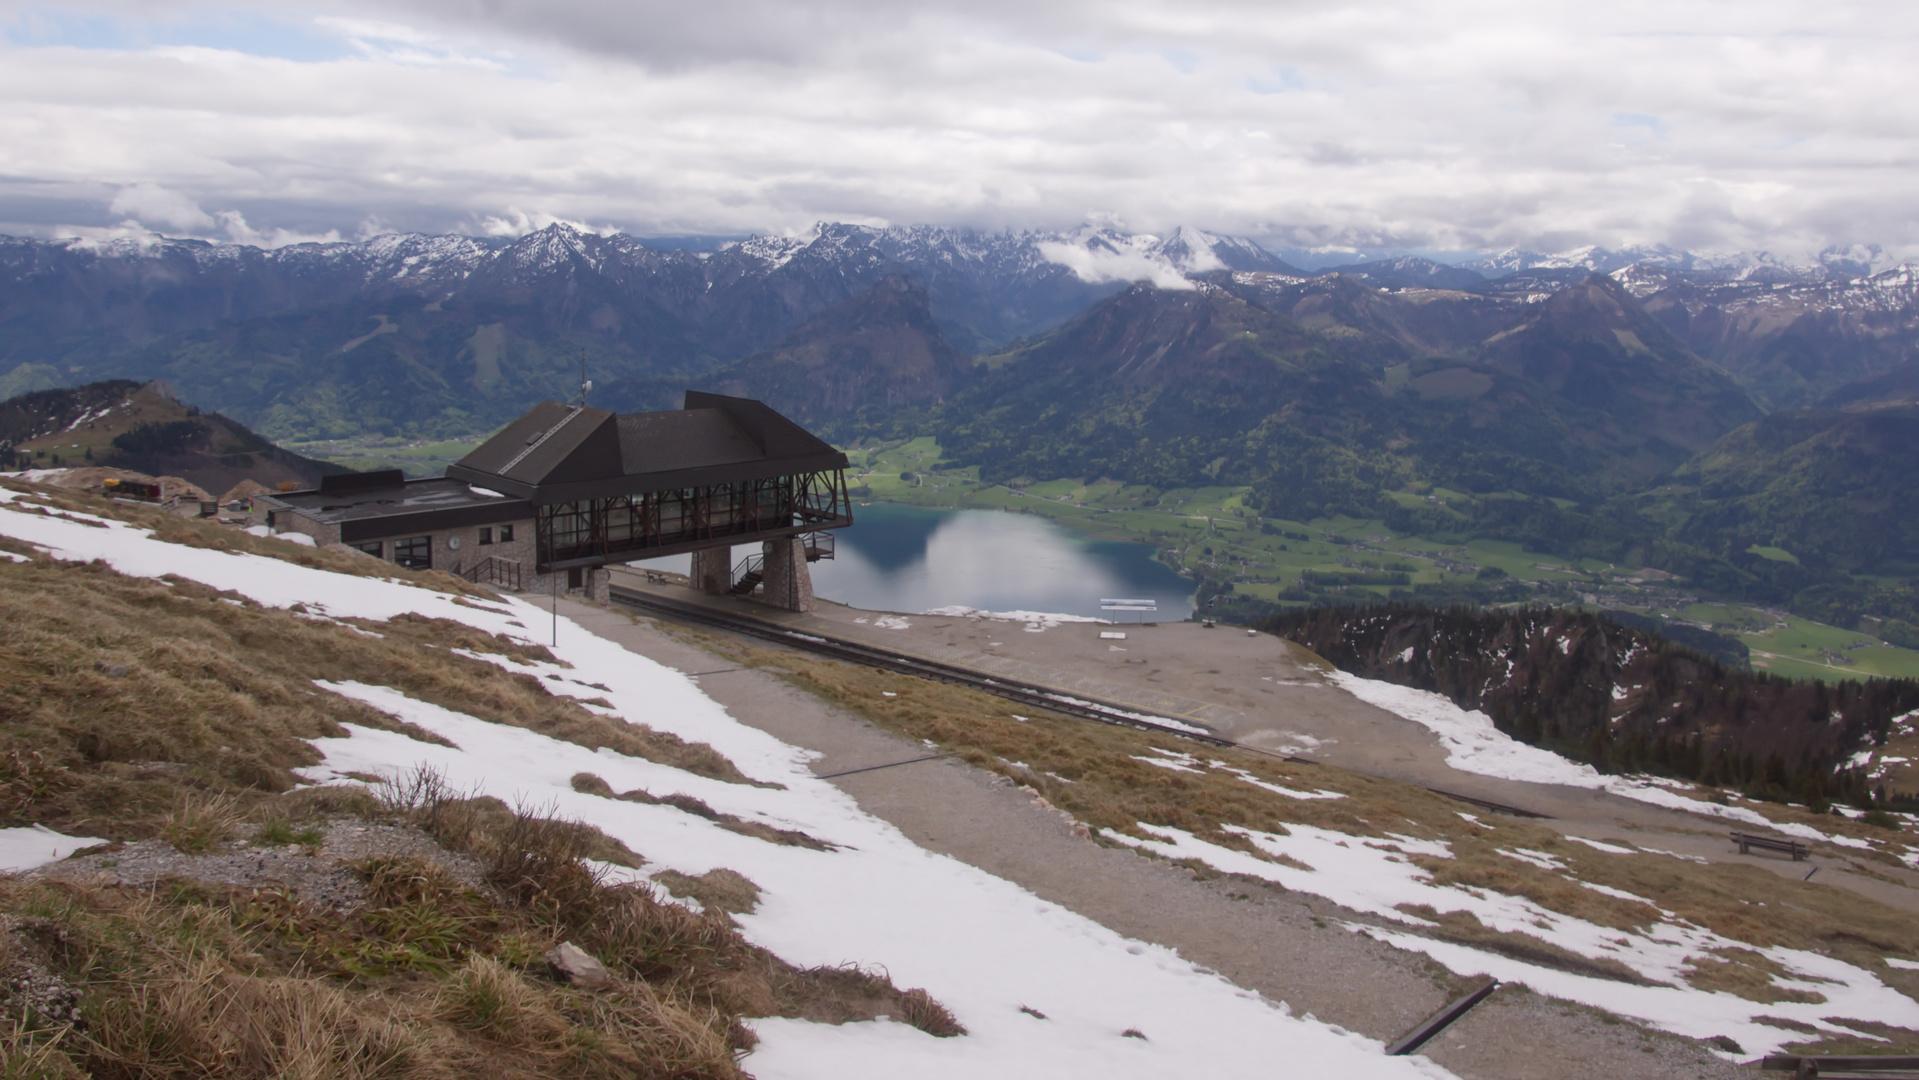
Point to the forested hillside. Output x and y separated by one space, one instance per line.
1618 697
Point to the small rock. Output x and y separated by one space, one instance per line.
574 965
111 671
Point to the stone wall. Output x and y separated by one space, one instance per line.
713 570
788 583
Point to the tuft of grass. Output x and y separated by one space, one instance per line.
279 830
201 822
918 1008
30 1051
716 890
499 1004
198 1016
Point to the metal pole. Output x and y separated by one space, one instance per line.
556 608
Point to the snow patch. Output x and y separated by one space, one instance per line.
1610 849
1373 876
36 845
1474 745
1043 620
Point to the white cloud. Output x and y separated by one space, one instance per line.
1395 122
234 224
151 204
1100 258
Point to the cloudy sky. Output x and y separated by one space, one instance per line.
1756 124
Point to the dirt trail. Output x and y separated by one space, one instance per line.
1285 945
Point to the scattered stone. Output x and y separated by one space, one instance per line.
573 964
111 671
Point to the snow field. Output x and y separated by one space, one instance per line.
982 946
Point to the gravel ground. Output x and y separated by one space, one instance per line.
320 875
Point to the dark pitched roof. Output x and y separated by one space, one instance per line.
368 511
535 446
558 453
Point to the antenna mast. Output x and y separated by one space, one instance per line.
586 384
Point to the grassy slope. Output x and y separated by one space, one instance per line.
1186 521
147 711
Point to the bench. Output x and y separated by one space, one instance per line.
1839 1067
1780 844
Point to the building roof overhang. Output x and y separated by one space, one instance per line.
566 453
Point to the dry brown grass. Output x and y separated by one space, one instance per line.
716 890
201 822
428 978
120 697
1747 974
201 1018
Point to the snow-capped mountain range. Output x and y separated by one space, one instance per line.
498 321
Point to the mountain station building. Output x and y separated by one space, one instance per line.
568 490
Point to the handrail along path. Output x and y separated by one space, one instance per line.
1024 693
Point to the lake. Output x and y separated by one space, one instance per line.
905 558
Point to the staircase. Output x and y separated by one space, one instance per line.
494 570
751 572
748 575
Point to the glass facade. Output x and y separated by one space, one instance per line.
414 553
630 526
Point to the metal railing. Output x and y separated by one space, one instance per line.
493 570
818 545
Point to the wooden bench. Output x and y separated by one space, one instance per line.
1837 1068
1780 844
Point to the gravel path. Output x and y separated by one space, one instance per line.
1284 945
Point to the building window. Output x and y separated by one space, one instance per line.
371 548
506 534
486 535
414 553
